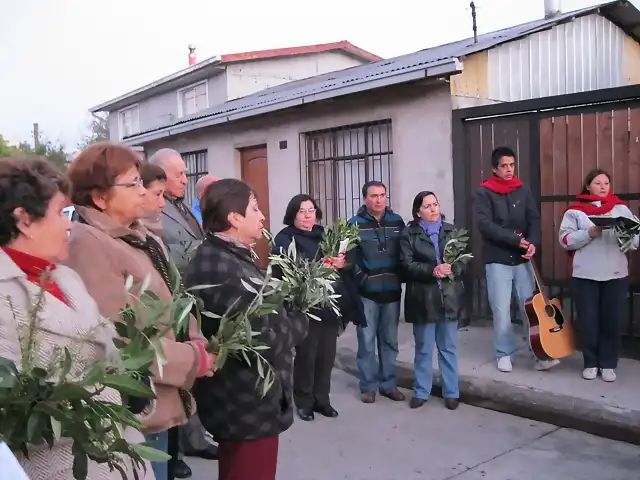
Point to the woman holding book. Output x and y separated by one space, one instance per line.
600 273
433 300
34 239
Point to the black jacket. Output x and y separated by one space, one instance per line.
499 217
424 302
230 405
308 244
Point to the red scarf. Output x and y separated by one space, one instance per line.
502 186
584 204
35 268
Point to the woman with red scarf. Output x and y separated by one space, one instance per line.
600 273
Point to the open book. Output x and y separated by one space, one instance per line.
612 222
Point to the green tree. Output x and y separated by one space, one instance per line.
6 150
98 131
53 151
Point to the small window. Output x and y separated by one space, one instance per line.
192 99
129 121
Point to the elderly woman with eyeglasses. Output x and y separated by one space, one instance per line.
108 245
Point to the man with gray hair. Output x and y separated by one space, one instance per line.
201 186
181 231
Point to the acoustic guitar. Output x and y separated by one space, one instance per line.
550 333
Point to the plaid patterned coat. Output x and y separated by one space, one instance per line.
230 405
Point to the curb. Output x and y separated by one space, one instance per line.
562 410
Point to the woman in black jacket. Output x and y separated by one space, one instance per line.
316 355
230 404
433 303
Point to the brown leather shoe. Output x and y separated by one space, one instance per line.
451 403
368 397
416 402
396 395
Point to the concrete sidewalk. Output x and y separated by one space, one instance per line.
559 396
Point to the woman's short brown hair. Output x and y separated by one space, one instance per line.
150 173
28 182
96 168
221 198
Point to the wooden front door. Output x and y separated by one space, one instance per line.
255 171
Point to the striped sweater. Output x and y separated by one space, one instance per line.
376 259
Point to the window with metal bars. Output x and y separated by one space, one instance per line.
197 167
337 162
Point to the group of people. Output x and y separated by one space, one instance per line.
509 223
133 220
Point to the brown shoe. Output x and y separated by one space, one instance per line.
451 403
368 397
396 395
416 402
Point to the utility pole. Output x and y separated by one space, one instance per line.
475 25
36 136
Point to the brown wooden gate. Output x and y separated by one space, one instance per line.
557 140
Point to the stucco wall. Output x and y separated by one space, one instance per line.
421 126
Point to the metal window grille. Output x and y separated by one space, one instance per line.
197 167
337 162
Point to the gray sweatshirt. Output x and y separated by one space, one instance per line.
597 258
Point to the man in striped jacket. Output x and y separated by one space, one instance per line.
375 263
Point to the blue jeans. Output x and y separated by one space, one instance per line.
381 330
444 336
501 279
159 441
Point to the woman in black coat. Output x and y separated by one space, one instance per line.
433 303
245 423
316 355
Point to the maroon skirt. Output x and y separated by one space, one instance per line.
249 460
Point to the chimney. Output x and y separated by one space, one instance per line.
192 54
552 8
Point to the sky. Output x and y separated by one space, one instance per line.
58 58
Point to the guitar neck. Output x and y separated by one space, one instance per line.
538 279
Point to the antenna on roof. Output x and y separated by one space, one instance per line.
475 24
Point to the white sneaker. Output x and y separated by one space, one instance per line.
504 364
542 365
590 373
608 374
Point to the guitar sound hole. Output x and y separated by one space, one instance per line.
552 312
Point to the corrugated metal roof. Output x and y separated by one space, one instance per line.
620 12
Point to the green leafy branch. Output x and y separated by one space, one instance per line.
40 403
341 231
455 249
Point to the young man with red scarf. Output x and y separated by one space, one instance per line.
509 222
600 273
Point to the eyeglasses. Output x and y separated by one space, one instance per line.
304 212
135 184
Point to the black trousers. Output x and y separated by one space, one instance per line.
600 307
313 364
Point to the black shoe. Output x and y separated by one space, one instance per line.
179 469
209 453
416 402
326 410
305 414
451 403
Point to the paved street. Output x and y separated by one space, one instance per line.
388 441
